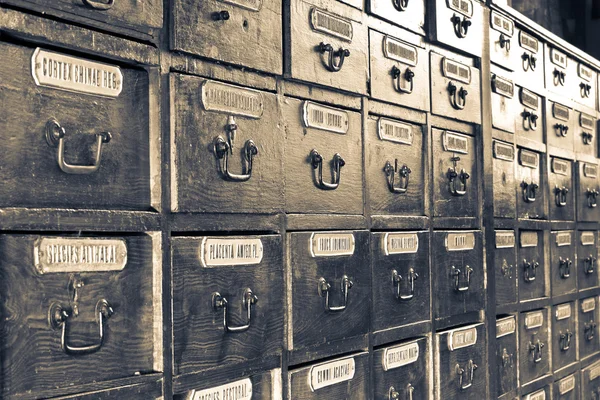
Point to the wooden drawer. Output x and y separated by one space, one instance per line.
529 125
402 371
506 354
540 394
227 300
567 388
588 191
505 267
458 277
455 85
242 32
590 384
407 14
587 260
328 45
505 195
557 67
585 134
528 59
461 370
534 345
455 175
395 167
261 386
563 247
57 156
401 280
323 158
560 126
343 378
399 69
503 104
564 335
589 341
458 23
530 182
84 304
532 266
561 197
503 40
583 84
208 128
330 287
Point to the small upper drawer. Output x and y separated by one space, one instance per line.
212 122
540 394
530 183
242 32
503 104
506 354
564 335
590 384
562 257
557 68
584 134
399 70
455 88
528 60
85 304
503 40
567 388
560 126
328 45
531 266
505 267
587 259
407 14
459 24
505 200
260 386
528 122
583 85
588 191
589 340
534 345
561 189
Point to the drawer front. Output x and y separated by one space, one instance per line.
560 126
261 386
529 126
528 60
589 340
57 156
503 40
407 14
506 267
328 45
503 104
399 70
395 167
590 384
564 335
331 286
557 67
400 272
207 130
531 266
530 184
583 85
343 378
534 345
111 286
563 247
134 392
461 368
567 388
242 32
455 174
459 24
560 184
506 354
540 394
401 371
505 200
585 134
587 260
588 192
455 89
323 159
458 277
227 300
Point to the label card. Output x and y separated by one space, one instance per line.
400 243
331 244
230 99
239 390
218 252
330 373
325 118
399 356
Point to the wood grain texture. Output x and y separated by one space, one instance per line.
503 108
550 67
528 370
533 79
443 30
412 18
538 287
553 137
573 394
562 285
574 88
133 392
583 183
525 174
506 379
505 195
589 387
587 347
502 54
199 340
33 360
507 272
567 212
562 358
522 129
582 149
585 280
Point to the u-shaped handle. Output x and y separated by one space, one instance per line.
341 54
394 394
507 359
561 130
536 351
589 330
505 42
587 138
461 25
458 97
400 5
397 281
529 120
560 196
317 164
530 270
469 372
456 276
565 340
559 77
55 137
222 149
408 76
324 288
564 266
99 5
402 174
585 90
592 196
589 264
457 181
529 61
220 303
529 191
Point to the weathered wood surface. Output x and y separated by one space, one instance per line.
528 369
537 288
562 285
561 358
506 271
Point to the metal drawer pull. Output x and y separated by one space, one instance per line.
408 77
586 89
403 173
470 372
529 191
341 54
565 267
530 270
458 97
55 136
592 195
456 273
324 289
589 264
529 120
559 77
561 196
397 279
220 302
393 394
536 351
461 25
589 331
565 340
505 42
223 148
506 269
529 61
507 359
99 5
561 130
317 163
59 317
400 5
587 138
220 15
458 187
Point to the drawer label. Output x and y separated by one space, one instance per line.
331 244
462 338
528 159
218 252
464 7
328 374
455 70
455 143
59 71
529 239
460 241
529 99
534 320
590 170
505 239
585 73
560 167
503 86
594 371
394 357
325 118
399 51
505 326
222 97
502 24
394 131
400 243
588 238
563 312
586 121
588 305
528 42
65 254
560 112
566 385
331 24
563 239
558 58
503 151
238 390
539 395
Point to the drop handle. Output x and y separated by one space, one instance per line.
564 266
535 349
561 130
592 197
587 138
529 120
400 5
397 280
457 180
589 330
324 288
589 263
335 59
458 97
585 90
223 149
466 375
461 25
408 76
565 340
220 302
529 191
560 195
529 61
507 359
99 5
505 42
559 77
317 163
397 175
456 276
394 394
530 270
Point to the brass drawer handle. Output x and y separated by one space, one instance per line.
220 303
561 130
461 25
530 270
536 351
587 138
397 280
456 274
507 359
559 77
317 164
560 195
400 5
592 195
393 394
324 288
59 317
457 180
589 264
458 97
223 148
529 61
55 137
565 340
565 267
585 89
99 5
505 42
408 75
469 372
529 191
506 269
341 54
403 175
529 120
590 331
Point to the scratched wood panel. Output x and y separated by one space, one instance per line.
586 182
505 196
529 125
132 392
561 283
587 261
530 204
568 388
31 175
506 359
586 124
533 288
560 177
563 352
554 137
506 271
32 356
503 99
589 339
530 370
